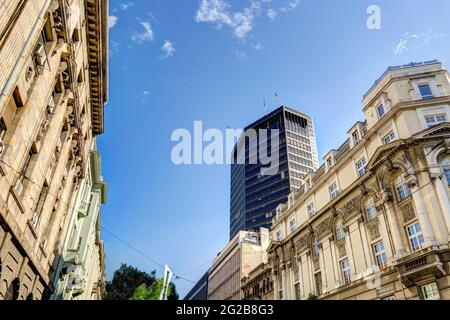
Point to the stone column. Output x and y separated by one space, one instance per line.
275 283
283 280
399 248
422 213
444 202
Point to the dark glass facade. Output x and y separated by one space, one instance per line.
254 196
200 290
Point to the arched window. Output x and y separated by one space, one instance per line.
315 247
371 210
340 233
444 162
402 188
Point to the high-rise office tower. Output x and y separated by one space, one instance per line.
255 196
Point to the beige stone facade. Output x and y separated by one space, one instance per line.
53 71
374 221
258 285
244 252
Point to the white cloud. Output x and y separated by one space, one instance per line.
146 35
126 6
241 22
146 93
112 21
241 55
257 46
409 41
272 14
217 12
168 48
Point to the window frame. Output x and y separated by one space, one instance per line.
380 252
390 137
422 94
381 107
345 270
435 121
416 236
369 205
333 193
361 171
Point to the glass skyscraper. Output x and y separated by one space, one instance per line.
255 196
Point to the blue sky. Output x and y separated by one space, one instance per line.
176 61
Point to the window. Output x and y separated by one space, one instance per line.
311 209
361 167
435 119
380 111
402 188
371 210
355 137
293 225
430 292
315 247
3 130
345 267
415 236
297 291
334 192
425 91
389 137
329 163
380 255
318 282
444 162
278 235
340 234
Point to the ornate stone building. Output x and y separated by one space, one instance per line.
53 82
258 285
241 255
374 221
80 270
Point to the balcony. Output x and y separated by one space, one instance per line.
421 265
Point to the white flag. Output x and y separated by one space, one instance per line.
167 278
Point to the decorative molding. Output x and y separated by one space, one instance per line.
408 212
374 231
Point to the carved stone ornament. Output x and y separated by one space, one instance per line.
302 243
374 231
341 250
324 227
408 212
350 208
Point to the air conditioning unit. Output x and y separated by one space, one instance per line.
34 220
40 55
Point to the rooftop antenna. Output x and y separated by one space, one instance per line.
265 106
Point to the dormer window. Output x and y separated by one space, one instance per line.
381 111
356 138
329 163
425 92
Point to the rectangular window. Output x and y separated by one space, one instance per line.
380 111
293 225
415 236
318 282
389 138
435 119
297 291
380 255
311 209
278 235
334 192
371 210
345 267
425 91
361 167
355 136
3 130
430 292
